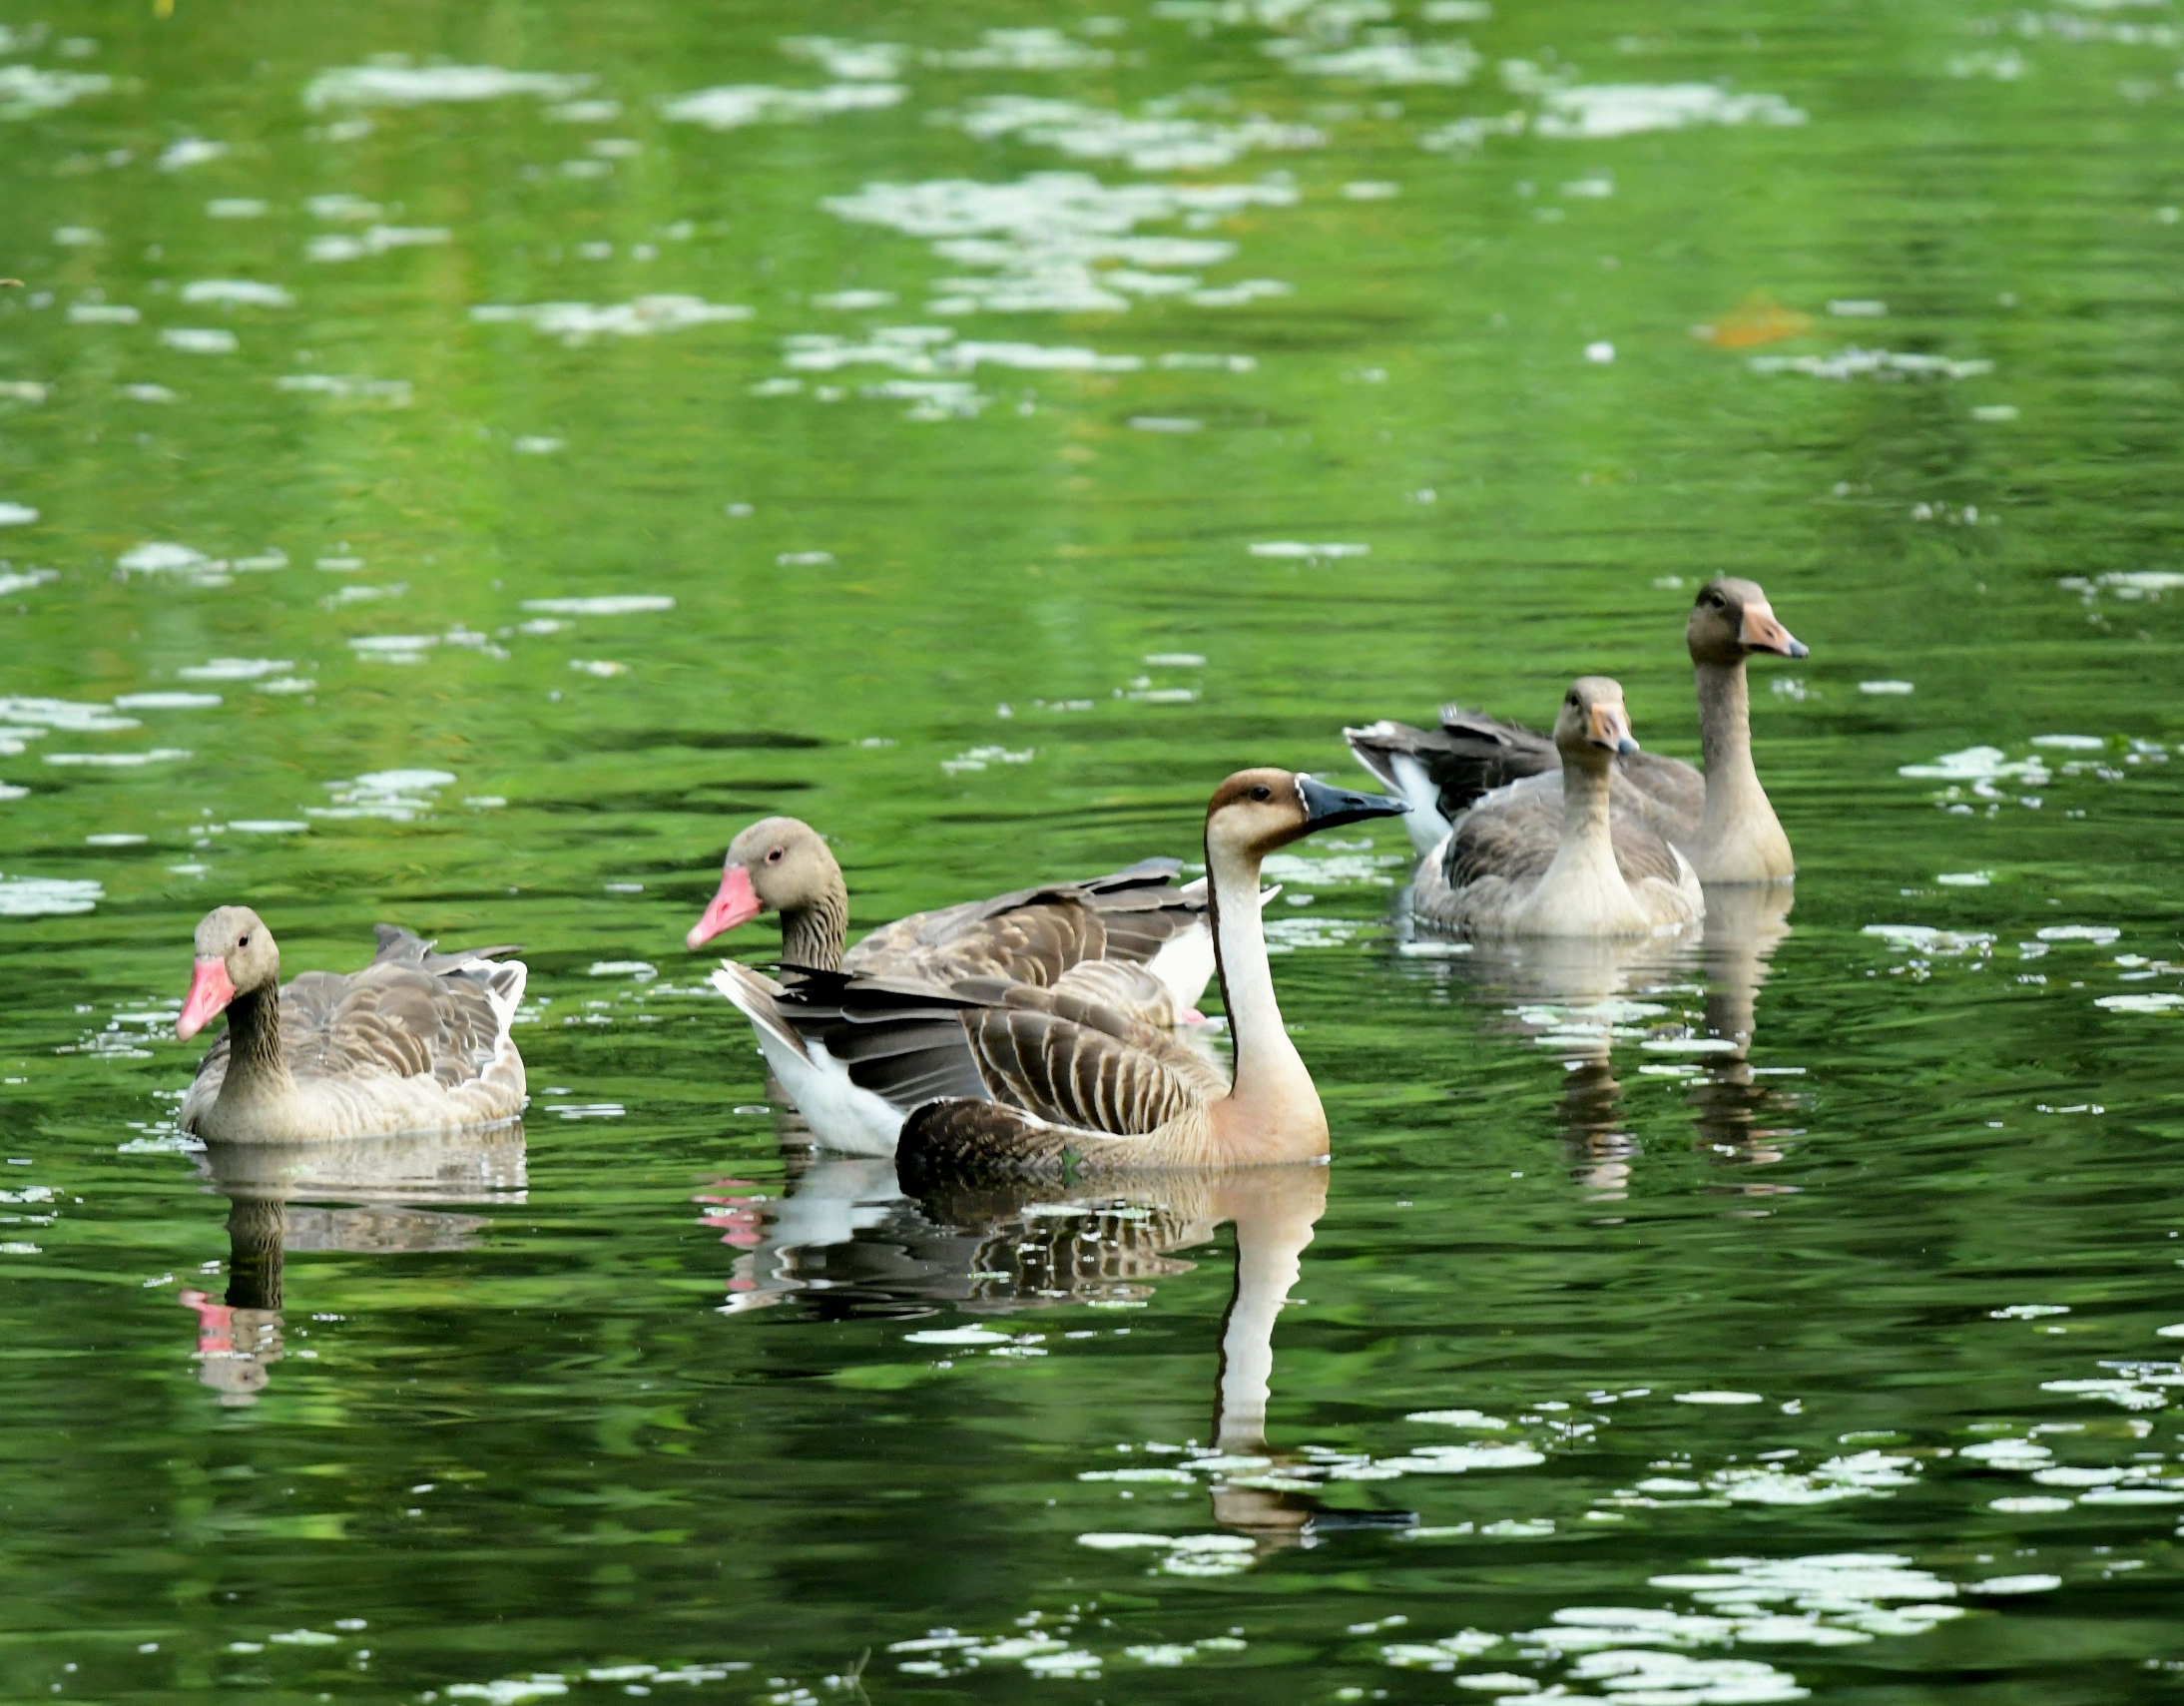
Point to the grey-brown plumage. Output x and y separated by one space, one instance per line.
1137 917
1720 818
1574 859
416 1041
1086 1089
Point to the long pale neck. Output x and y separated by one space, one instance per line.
1725 730
255 1063
813 934
1738 839
1272 1112
1585 795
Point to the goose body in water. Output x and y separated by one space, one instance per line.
1721 819
417 1041
1133 938
1053 1090
1576 858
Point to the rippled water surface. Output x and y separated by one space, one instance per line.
458 465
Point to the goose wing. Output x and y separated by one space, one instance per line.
1035 936
398 1019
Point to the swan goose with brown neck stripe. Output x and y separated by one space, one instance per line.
1053 1091
416 1041
1721 819
1531 859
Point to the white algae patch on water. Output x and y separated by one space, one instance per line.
609 603
44 896
732 106
413 86
1595 112
577 322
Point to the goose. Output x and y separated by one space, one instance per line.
1047 1088
1721 820
1534 860
417 1041
1131 937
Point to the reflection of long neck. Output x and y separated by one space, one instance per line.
257 1230
1273 1224
813 933
255 1063
1272 1112
1738 839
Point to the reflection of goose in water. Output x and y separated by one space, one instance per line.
1580 999
360 1196
1745 924
995 1246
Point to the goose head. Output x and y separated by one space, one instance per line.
1731 620
236 954
1257 811
1593 727
778 865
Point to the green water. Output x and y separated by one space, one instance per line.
646 1399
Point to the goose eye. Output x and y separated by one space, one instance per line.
243 941
774 858
1571 700
1261 791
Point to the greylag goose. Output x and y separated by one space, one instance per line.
1721 820
1534 860
1046 1089
417 1041
1131 939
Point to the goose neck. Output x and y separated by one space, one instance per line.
1725 720
813 933
1272 1111
1586 790
1738 839
256 1066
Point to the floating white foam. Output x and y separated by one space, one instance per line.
608 604
1062 242
348 387
378 239
149 394
1392 60
1598 111
1297 548
1886 686
956 1336
1153 143
189 151
1035 49
199 339
538 446
234 208
164 557
64 713
1965 878
413 86
26 89
166 700
1883 365
234 669
2071 743
1976 764
853 62
116 760
2161 1003
1720 1398
102 313
46 896
24 390
731 106
244 293
395 794
17 515
574 323
268 826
